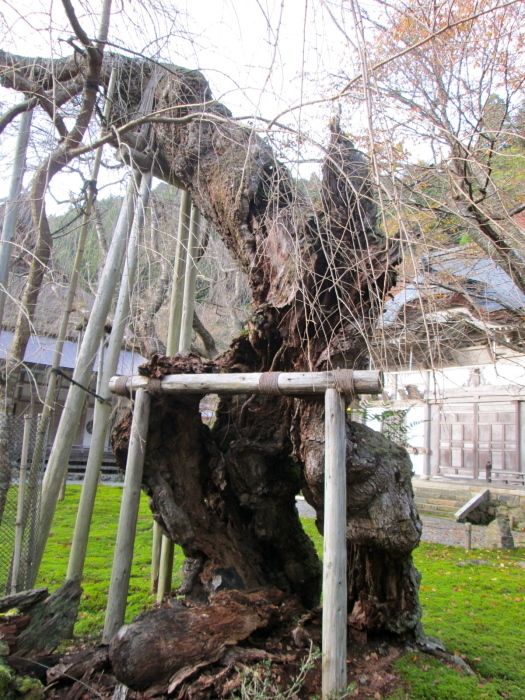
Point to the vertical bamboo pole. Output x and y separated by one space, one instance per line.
188 303
334 560
58 460
156 546
11 211
123 557
19 524
162 547
77 556
179 269
31 506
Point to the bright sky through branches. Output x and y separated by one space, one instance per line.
260 56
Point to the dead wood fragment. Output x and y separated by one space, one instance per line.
184 363
75 666
10 630
52 620
24 600
149 652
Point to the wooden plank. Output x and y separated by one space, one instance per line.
119 584
334 560
289 383
474 502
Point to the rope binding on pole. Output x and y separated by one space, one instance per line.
268 384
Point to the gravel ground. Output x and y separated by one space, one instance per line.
440 530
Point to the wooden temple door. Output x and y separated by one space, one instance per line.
472 436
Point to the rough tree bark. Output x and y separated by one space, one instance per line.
227 495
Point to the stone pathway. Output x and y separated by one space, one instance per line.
440 530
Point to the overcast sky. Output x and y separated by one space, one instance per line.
260 56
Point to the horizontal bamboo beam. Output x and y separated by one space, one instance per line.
288 383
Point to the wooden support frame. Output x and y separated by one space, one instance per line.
346 381
334 385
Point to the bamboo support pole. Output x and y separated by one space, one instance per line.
58 460
32 502
102 413
334 559
11 210
19 524
123 557
51 389
179 268
190 277
162 547
156 545
167 555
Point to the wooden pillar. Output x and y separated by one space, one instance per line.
123 557
427 468
468 537
334 560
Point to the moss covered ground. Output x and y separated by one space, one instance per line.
478 611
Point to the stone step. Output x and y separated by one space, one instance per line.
442 492
442 501
445 502
453 497
429 509
436 507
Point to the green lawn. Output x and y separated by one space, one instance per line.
99 559
478 611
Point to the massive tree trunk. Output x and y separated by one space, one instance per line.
318 273
227 494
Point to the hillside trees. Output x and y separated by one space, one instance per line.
454 100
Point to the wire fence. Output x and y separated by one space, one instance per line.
23 443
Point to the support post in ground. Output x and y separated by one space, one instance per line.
468 537
123 557
102 413
19 524
59 458
334 559
163 547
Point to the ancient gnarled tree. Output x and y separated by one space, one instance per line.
318 272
